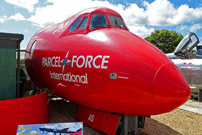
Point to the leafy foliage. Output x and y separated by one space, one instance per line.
165 40
28 93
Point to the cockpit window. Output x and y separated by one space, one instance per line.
98 20
32 48
116 21
74 25
83 23
66 23
199 52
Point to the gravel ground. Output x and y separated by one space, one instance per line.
194 103
177 122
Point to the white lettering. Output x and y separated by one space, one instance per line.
91 118
104 61
52 61
55 64
73 60
81 61
77 61
69 77
49 61
95 66
44 62
88 61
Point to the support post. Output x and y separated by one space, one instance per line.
18 70
200 95
136 125
130 124
125 124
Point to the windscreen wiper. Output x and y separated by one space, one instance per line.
117 23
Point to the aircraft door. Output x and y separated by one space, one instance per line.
186 45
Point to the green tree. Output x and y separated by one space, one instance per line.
165 40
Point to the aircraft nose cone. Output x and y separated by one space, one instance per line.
170 89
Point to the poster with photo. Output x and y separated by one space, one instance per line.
74 128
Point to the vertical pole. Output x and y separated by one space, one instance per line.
200 95
125 125
136 125
18 70
130 124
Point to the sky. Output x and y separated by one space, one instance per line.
141 16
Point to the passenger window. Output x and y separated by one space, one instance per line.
66 23
54 30
32 48
83 23
98 20
116 21
74 25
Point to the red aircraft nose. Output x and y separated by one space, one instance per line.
170 89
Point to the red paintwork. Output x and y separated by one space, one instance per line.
105 122
148 83
20 111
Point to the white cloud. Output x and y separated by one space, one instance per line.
27 4
159 12
141 31
61 10
17 17
200 39
3 19
139 20
163 13
134 15
195 27
33 132
182 27
186 14
185 28
25 30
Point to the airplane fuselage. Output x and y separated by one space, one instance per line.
105 68
192 70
